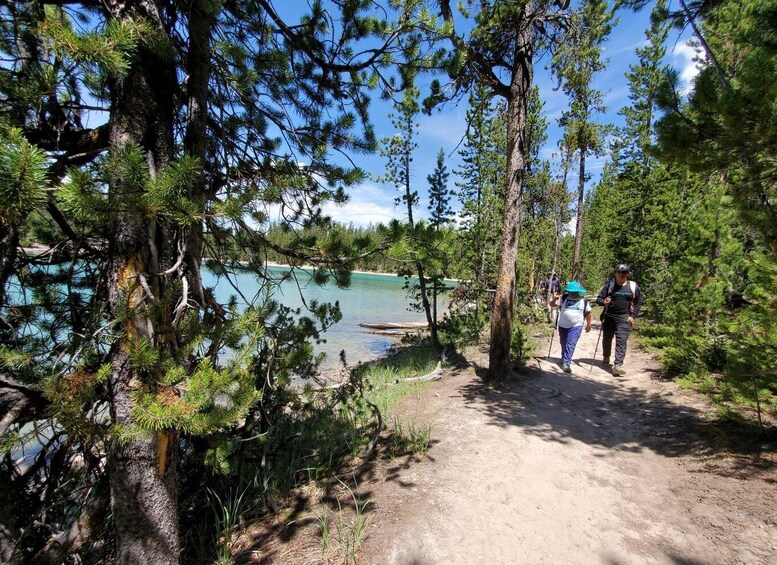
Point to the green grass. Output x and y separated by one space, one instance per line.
409 437
731 398
381 376
350 526
227 510
386 388
313 437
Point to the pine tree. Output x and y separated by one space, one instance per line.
645 81
481 176
639 206
543 202
576 62
722 131
730 107
110 339
503 42
437 242
398 151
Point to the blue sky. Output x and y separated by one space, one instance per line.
372 202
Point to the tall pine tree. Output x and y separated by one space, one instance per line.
144 137
576 62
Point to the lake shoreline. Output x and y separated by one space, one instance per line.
35 250
355 271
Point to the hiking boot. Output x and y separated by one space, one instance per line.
566 368
618 371
606 360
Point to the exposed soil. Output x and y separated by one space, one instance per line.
558 468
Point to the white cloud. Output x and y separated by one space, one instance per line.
360 213
368 204
549 152
596 165
686 56
616 95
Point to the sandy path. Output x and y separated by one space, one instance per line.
581 468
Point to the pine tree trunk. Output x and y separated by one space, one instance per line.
144 483
419 267
142 468
434 312
579 221
202 19
517 109
554 266
425 300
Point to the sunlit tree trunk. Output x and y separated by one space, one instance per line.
517 110
579 217
142 468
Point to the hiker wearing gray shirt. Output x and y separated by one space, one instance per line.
622 300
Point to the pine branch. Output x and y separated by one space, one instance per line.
20 403
299 41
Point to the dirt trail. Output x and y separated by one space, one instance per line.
580 468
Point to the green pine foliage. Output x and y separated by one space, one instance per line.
479 187
731 103
23 178
139 147
684 201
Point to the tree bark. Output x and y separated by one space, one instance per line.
579 220
142 470
202 19
517 109
425 301
419 267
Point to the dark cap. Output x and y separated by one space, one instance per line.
622 268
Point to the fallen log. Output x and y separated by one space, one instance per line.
388 332
395 326
435 375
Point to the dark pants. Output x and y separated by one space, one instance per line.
620 328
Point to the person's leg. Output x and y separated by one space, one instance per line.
608 331
572 338
622 331
563 334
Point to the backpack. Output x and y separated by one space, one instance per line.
632 287
564 298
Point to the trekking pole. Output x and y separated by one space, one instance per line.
553 332
601 327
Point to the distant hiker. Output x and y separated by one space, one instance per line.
550 286
550 282
555 284
621 300
574 313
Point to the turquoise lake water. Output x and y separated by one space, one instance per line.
371 298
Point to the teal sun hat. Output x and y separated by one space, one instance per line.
573 287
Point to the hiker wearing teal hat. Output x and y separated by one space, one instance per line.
574 314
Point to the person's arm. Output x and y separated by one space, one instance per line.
588 321
603 294
637 300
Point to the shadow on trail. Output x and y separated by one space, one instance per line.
674 559
614 413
